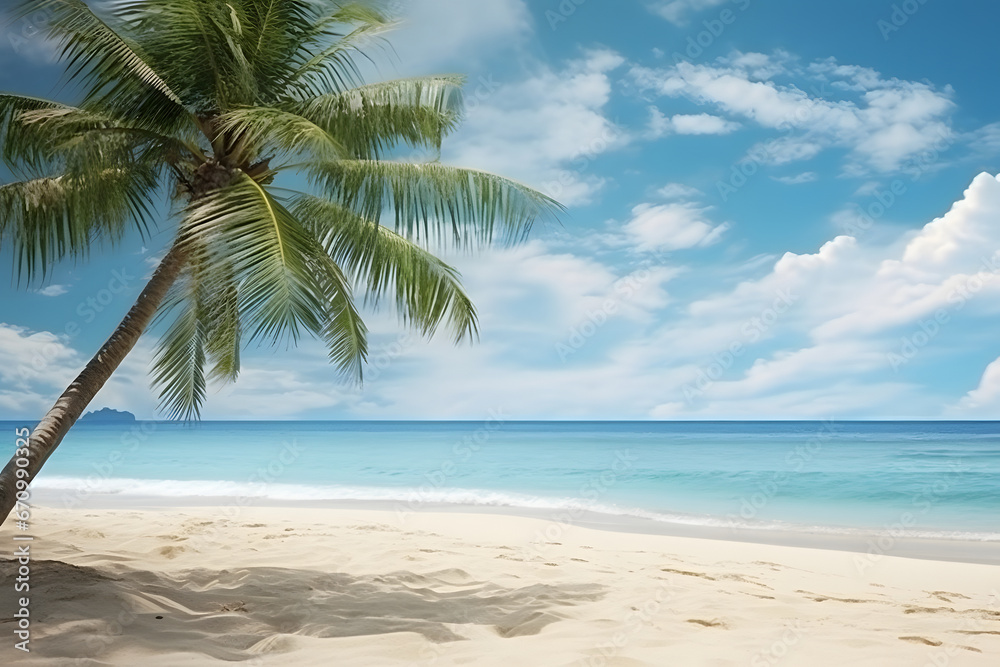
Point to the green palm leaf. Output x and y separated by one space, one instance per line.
329 66
221 320
179 362
370 120
263 129
119 77
271 254
427 291
433 201
46 220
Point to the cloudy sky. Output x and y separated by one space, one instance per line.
775 210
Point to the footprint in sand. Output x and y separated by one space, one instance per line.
171 552
942 594
922 640
927 610
687 573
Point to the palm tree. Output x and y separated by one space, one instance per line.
211 105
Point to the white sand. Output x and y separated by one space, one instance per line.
277 586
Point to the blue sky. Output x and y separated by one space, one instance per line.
776 210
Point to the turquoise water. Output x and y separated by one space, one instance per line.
940 478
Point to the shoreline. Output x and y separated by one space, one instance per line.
872 546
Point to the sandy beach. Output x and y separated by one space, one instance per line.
296 586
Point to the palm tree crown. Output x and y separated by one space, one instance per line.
213 102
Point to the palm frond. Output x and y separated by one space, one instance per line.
328 55
48 219
221 321
179 362
270 253
262 130
41 138
22 147
197 46
370 120
433 202
204 331
272 34
427 291
344 332
118 75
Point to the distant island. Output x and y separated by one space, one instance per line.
107 416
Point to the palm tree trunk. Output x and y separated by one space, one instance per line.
57 422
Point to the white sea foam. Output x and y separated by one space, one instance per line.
414 499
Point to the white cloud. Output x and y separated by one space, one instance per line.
37 366
676 226
985 399
678 11
544 127
532 300
34 368
444 34
53 290
867 189
986 139
678 191
280 388
846 77
852 310
887 122
546 130
760 66
798 179
786 150
661 125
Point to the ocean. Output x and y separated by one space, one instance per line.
936 479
